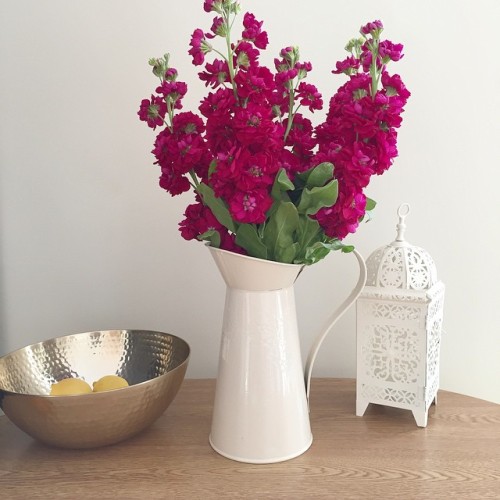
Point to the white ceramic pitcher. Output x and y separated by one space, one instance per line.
261 412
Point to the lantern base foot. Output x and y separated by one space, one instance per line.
420 417
361 406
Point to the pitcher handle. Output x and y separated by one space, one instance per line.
339 312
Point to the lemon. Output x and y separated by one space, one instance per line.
70 387
109 383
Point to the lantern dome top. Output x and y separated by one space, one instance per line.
400 264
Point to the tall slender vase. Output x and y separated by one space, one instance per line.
261 412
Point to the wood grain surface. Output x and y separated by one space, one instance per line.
380 455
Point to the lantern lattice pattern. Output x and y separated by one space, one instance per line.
399 323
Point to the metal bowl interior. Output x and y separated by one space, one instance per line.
153 363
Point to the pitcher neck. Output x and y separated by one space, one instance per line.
252 274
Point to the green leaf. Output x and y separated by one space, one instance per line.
370 204
248 238
317 176
320 174
309 232
212 236
211 168
281 184
217 206
347 248
321 249
287 254
280 231
315 253
318 197
260 230
334 245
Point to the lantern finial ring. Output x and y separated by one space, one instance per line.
403 211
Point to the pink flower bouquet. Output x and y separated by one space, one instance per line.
267 182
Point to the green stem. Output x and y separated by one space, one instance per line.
230 63
170 115
291 100
373 69
195 183
221 54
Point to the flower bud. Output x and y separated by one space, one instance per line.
303 69
354 46
210 5
374 29
171 75
290 55
286 51
160 66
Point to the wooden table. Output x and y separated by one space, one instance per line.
381 455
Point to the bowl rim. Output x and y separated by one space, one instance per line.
5 392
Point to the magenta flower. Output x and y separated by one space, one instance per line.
173 183
283 78
174 91
217 73
309 96
199 219
246 54
253 31
303 69
188 123
219 103
348 66
291 163
305 66
395 83
252 125
250 207
255 170
199 47
366 59
218 28
153 111
171 74
343 218
208 5
372 28
286 52
257 82
301 141
390 51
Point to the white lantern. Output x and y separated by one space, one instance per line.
399 321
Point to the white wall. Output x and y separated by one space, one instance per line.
88 240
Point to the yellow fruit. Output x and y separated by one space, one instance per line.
70 387
109 383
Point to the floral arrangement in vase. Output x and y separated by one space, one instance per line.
267 182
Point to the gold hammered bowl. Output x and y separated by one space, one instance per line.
153 363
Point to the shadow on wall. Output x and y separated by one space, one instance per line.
3 326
